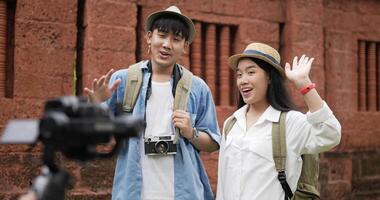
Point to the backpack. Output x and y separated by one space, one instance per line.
308 182
133 86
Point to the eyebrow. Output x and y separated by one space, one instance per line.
249 67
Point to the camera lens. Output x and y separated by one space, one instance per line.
161 147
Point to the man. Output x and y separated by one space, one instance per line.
139 175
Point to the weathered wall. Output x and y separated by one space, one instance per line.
48 49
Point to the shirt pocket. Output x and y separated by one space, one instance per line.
258 156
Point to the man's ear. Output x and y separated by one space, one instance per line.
186 47
148 37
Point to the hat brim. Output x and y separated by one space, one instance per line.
233 61
152 17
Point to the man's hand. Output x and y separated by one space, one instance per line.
181 119
100 90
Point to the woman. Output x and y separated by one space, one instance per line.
246 166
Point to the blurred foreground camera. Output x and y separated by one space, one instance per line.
75 127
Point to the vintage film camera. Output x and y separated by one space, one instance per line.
75 127
160 145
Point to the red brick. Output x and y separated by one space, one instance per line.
327 30
49 61
30 108
104 174
304 33
64 11
87 196
197 5
43 86
7 110
338 20
304 11
227 7
340 169
210 161
336 190
18 171
110 38
342 5
210 64
340 41
223 112
97 63
364 135
111 13
366 27
259 31
272 11
44 34
366 186
369 7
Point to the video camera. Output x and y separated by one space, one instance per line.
75 127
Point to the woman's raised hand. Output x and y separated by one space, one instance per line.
299 72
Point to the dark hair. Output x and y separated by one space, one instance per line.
277 94
171 23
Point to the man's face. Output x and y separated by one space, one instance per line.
166 48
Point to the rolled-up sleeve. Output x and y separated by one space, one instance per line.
206 120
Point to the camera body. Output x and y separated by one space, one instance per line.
160 145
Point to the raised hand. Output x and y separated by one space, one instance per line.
100 90
299 72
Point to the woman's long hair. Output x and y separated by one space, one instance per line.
277 94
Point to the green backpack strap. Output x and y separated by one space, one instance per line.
279 143
279 152
228 126
132 87
182 93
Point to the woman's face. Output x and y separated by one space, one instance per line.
252 81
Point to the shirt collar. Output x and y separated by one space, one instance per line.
270 114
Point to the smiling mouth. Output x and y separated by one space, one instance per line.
164 54
246 92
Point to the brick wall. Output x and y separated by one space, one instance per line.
60 46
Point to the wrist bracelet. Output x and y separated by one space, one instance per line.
306 89
195 135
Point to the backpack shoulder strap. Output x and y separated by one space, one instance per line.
132 87
230 122
183 90
279 143
182 93
279 152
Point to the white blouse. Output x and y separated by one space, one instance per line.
246 169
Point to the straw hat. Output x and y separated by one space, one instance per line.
175 12
259 51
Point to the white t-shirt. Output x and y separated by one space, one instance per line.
158 171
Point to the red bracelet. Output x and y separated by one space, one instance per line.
306 89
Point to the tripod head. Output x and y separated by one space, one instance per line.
75 127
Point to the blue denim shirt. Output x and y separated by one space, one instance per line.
190 178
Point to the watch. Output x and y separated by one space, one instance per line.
195 135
